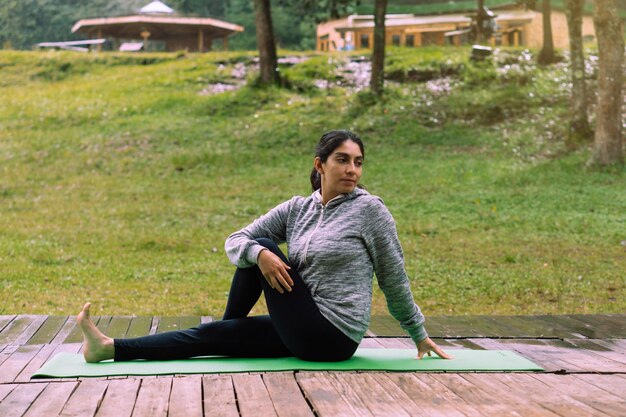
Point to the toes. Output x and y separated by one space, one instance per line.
86 309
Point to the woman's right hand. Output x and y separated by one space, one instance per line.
275 271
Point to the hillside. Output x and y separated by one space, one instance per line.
121 176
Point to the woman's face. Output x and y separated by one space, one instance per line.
342 170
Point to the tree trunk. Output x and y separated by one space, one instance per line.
378 53
333 10
480 34
546 56
608 136
265 42
579 129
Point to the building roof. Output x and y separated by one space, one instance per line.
160 27
156 7
367 21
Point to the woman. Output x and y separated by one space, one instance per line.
319 299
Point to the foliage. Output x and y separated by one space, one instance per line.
119 182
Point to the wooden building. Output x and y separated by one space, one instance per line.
158 22
514 27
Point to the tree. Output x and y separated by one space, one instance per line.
378 53
265 42
546 56
609 32
579 129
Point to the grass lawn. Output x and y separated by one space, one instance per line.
119 182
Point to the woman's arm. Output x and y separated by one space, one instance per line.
243 250
386 253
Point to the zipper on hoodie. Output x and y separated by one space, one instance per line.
308 241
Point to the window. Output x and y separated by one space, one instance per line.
365 41
409 40
395 40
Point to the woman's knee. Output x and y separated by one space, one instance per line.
272 247
267 243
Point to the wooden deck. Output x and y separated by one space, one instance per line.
584 357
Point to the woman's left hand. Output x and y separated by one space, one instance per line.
427 345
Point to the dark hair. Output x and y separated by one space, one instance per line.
327 145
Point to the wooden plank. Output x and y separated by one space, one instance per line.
433 398
600 349
5 389
475 396
366 394
219 396
485 326
155 325
458 344
588 394
22 328
613 384
541 329
252 396
602 326
118 327
103 323
576 328
5 320
545 396
515 326
7 351
531 349
326 398
153 397
119 399
186 397
85 400
616 345
516 400
385 326
167 324
48 330
585 360
35 363
17 402
610 325
11 368
65 331
139 326
464 326
52 400
397 343
371 342
554 355
437 326
397 394
286 395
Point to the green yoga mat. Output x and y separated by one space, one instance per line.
65 365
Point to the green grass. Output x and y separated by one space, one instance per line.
119 182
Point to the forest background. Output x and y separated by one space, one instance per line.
24 23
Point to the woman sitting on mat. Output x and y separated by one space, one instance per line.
319 299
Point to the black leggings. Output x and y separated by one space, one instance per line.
294 326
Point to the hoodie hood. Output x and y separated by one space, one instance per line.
357 192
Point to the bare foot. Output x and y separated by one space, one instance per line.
97 346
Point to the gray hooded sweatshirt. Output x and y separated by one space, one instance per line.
336 249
